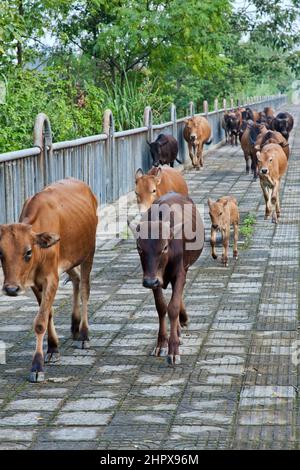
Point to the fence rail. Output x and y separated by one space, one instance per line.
107 162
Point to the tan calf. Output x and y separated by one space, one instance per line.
272 164
156 183
197 132
224 213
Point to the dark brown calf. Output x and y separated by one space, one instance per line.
170 238
56 233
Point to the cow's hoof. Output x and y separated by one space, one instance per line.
52 358
79 344
236 256
215 256
159 352
173 359
36 377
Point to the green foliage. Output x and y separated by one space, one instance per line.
247 227
126 55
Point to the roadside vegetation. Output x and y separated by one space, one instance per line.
247 228
74 58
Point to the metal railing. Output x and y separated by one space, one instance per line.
107 162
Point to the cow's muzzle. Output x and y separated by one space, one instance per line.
193 137
215 226
11 291
151 283
264 171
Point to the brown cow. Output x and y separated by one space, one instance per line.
56 233
248 142
272 164
170 238
197 132
158 181
270 115
223 213
272 137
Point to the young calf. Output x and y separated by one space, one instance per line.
223 213
272 164
56 233
169 238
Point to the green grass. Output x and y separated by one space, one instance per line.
247 228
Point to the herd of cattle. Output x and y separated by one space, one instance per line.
56 232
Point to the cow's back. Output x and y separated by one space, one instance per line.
68 208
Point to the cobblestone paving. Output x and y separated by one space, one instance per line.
236 387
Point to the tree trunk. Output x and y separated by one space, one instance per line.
19 44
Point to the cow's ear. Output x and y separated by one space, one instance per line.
257 147
258 155
138 174
158 176
210 202
135 228
46 239
186 121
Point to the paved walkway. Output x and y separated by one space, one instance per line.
236 387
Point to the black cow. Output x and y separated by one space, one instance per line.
164 150
283 123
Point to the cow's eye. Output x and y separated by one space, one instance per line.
271 159
154 191
28 255
220 213
165 249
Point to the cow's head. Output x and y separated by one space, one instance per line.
146 188
218 213
192 125
156 150
19 247
153 243
265 160
282 127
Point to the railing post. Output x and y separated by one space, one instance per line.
42 138
174 119
148 122
191 108
231 103
110 161
224 104
205 107
216 104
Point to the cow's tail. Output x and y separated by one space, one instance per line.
178 161
209 141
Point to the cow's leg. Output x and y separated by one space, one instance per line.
182 320
213 237
162 338
247 163
52 352
254 166
75 278
86 268
40 324
173 313
191 152
172 164
275 201
200 155
266 197
268 202
235 240
225 235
